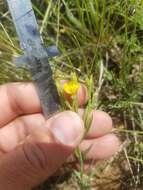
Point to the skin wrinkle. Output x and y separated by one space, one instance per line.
34 150
39 155
34 155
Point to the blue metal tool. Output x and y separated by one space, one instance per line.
35 54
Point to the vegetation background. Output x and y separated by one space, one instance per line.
102 38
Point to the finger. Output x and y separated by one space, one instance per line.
100 148
17 99
16 131
21 98
42 154
19 129
101 123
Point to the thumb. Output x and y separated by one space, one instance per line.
43 152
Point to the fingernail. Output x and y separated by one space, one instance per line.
67 128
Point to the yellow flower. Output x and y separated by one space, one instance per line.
71 87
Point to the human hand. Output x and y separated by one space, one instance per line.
32 149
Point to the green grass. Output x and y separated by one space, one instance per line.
102 38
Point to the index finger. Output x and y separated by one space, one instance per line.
17 99
20 99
